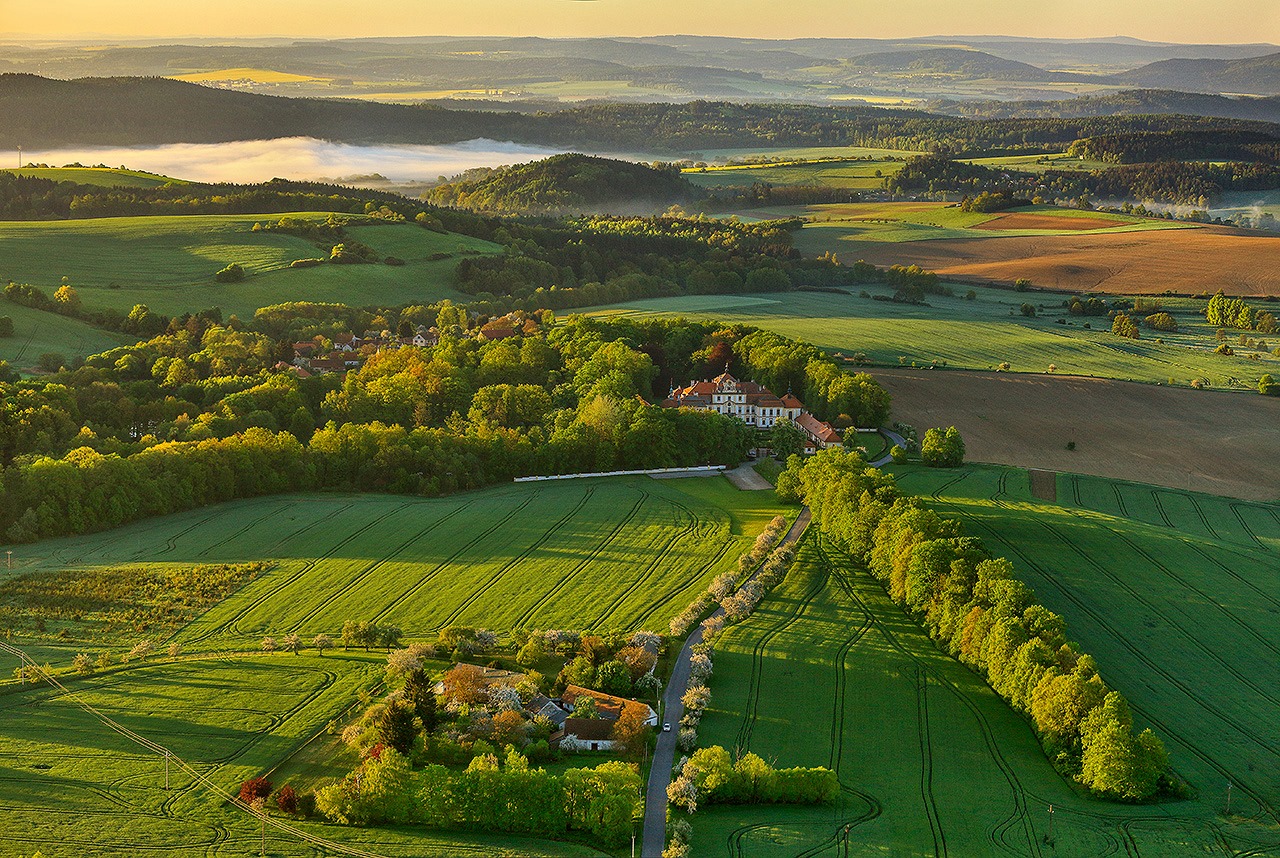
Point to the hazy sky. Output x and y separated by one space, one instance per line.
1158 20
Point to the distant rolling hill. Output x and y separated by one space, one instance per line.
569 183
960 63
1127 103
1253 75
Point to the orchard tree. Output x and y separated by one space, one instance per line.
322 642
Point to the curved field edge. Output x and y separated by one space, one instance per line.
70 786
829 672
620 553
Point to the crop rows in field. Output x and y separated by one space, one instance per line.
70 786
1182 621
581 554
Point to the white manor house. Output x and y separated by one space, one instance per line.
753 404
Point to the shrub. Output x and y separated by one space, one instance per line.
6 326
233 273
51 362
393 260
287 800
254 789
942 448
306 263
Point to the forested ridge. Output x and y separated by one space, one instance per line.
141 111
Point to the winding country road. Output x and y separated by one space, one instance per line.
664 756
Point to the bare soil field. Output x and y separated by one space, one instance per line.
1022 220
1210 441
1184 261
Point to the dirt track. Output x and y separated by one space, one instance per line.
1218 442
1185 261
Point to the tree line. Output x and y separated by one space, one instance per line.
200 415
977 609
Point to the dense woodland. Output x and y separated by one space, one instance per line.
126 111
1167 181
975 607
570 183
199 415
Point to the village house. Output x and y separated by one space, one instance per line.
586 734
755 405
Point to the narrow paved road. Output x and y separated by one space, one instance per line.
895 440
664 756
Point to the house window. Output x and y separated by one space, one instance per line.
595 746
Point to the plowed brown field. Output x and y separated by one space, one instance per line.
1183 261
1211 441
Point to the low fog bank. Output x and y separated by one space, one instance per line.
302 158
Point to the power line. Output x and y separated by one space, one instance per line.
195 775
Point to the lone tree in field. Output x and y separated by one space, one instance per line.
786 439
141 650
292 643
322 642
942 448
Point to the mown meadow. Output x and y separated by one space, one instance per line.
829 672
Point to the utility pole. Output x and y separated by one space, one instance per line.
1051 823
166 770
10 556
846 841
1228 798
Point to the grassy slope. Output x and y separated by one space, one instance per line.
616 553
168 262
856 175
933 763
101 795
978 334
623 553
36 332
838 226
105 177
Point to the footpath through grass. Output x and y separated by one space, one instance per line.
829 672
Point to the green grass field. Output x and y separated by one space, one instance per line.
608 554
1039 163
805 153
837 227
104 177
168 263
72 787
977 334
36 332
616 553
849 175
829 672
